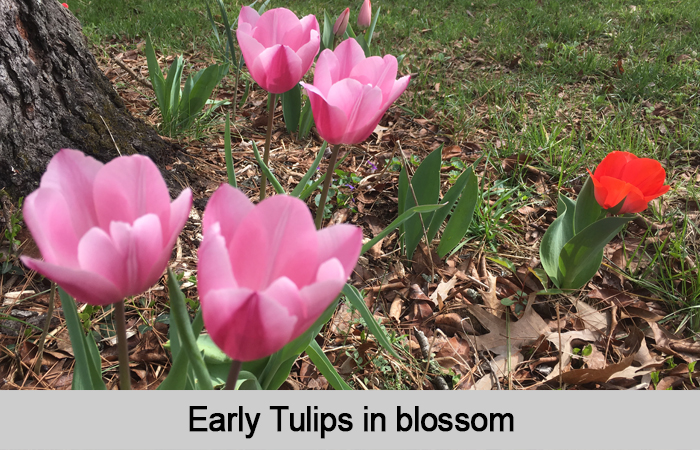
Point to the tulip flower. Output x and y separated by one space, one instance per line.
365 17
106 231
624 176
65 5
341 23
351 93
265 275
277 47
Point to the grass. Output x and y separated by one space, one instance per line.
560 83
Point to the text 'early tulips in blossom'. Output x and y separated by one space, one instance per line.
623 176
351 93
106 231
265 274
277 47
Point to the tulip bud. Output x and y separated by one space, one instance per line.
341 24
65 5
365 17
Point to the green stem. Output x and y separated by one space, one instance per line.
47 325
122 347
268 138
326 186
233 375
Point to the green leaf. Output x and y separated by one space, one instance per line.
312 187
324 366
227 27
198 89
508 264
247 382
309 173
450 198
370 31
307 120
356 300
178 309
280 374
580 258
403 189
554 239
156 76
94 363
227 154
291 108
327 36
266 170
172 91
459 222
82 377
587 208
426 185
398 222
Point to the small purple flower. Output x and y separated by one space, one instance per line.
371 164
350 186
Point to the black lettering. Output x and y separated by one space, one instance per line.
463 421
483 419
374 417
445 422
193 418
279 415
217 422
301 422
345 420
325 428
434 419
501 417
231 416
399 420
252 425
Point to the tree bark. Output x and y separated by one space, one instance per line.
54 96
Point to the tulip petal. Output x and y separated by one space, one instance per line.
250 48
50 221
646 174
361 104
277 69
330 280
213 265
179 212
612 164
286 293
129 187
348 54
246 325
342 242
330 120
141 247
248 16
228 206
271 241
399 86
308 51
377 72
97 253
274 27
73 173
86 287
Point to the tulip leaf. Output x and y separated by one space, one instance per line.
227 154
172 91
587 208
266 170
450 199
281 374
83 373
307 120
155 74
291 108
179 314
327 35
356 300
198 89
426 187
582 255
247 382
370 31
308 190
459 222
324 366
309 173
556 236
95 363
227 27
398 222
403 188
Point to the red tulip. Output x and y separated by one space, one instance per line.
65 5
106 231
341 23
623 176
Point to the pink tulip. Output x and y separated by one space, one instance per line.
351 93
106 231
278 48
341 23
265 274
365 17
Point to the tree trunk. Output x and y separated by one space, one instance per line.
53 96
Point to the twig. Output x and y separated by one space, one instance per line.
137 77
